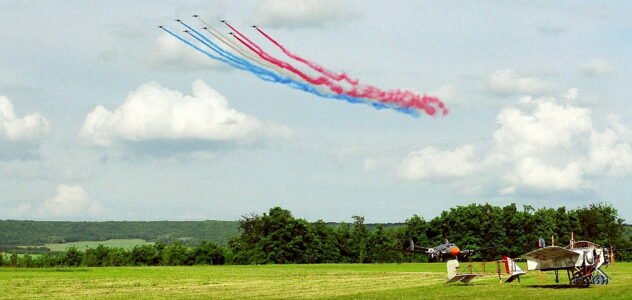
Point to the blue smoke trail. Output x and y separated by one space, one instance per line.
267 75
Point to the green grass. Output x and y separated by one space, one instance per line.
341 281
83 245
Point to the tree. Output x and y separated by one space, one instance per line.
322 246
176 254
360 235
26 261
13 259
276 237
72 257
208 253
145 255
118 257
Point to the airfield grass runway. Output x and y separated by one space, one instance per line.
340 281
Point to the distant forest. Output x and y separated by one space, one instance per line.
277 237
13 233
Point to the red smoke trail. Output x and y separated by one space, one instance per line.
256 49
318 81
312 65
401 98
243 37
398 98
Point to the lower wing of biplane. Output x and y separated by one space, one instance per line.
455 276
465 278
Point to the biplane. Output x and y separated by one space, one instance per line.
582 261
506 266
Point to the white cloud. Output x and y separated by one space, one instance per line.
530 172
153 112
13 128
548 145
571 94
542 125
432 163
70 202
597 67
540 145
307 13
171 54
508 82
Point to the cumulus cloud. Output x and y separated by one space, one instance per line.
70 202
171 54
432 163
29 128
508 82
597 67
155 113
540 145
307 13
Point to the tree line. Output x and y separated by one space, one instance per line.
19 232
159 254
277 237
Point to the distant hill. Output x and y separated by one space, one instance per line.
41 232
38 233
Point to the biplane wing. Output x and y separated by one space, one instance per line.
551 258
453 274
465 278
514 276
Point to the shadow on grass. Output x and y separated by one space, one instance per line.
556 286
464 284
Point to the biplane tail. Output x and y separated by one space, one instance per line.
455 276
512 268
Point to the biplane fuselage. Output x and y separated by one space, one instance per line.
580 254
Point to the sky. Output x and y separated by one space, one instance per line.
105 117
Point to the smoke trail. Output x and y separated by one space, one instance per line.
402 98
394 98
313 65
318 81
272 77
246 54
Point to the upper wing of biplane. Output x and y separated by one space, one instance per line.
550 253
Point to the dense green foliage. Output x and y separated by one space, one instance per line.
159 254
277 237
30 233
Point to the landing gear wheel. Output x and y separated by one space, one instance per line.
599 279
581 281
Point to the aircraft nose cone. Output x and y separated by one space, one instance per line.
455 251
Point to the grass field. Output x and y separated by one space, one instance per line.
374 281
83 245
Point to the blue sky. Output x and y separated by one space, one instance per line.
103 117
